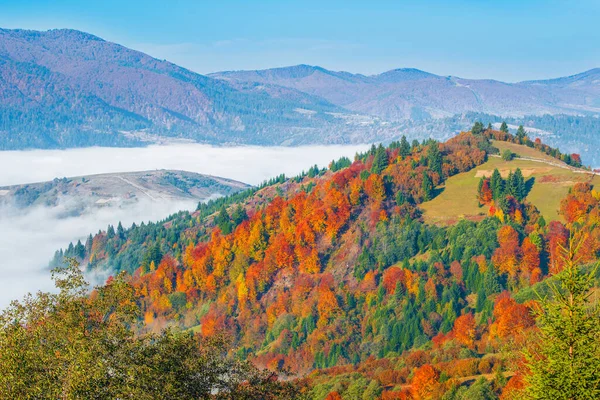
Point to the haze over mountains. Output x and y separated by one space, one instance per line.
61 88
66 88
408 93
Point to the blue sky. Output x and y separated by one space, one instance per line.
503 39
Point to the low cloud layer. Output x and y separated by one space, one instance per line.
28 238
249 164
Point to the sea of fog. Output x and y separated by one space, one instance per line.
29 238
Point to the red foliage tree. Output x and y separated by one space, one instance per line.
556 238
391 277
425 382
510 317
506 257
464 330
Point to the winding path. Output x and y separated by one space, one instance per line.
138 187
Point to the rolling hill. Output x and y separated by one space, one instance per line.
83 194
551 180
339 275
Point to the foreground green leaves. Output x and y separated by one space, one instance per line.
564 363
73 345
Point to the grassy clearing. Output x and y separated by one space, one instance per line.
457 198
524 151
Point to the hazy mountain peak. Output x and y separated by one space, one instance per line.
71 34
404 74
592 75
293 72
89 87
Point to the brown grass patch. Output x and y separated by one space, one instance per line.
527 172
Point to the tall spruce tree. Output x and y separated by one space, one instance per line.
434 158
521 134
564 362
497 185
120 231
380 160
88 244
404 147
504 127
509 189
518 184
427 187
110 231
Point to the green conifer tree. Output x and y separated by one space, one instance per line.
564 362
223 221
477 128
519 185
497 185
521 133
380 160
404 147
427 187
434 158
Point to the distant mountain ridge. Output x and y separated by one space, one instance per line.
65 88
401 94
61 87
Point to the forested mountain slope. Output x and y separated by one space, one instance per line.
66 88
409 93
337 270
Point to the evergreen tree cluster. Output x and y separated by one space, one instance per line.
514 185
343 162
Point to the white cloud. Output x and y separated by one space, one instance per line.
28 239
249 164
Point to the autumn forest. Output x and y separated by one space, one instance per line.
336 284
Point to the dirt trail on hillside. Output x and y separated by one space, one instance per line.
554 164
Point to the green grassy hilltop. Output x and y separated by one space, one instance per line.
552 180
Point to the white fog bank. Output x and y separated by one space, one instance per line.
248 164
28 238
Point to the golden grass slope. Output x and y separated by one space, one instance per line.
552 180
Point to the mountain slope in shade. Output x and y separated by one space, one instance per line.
59 87
412 94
